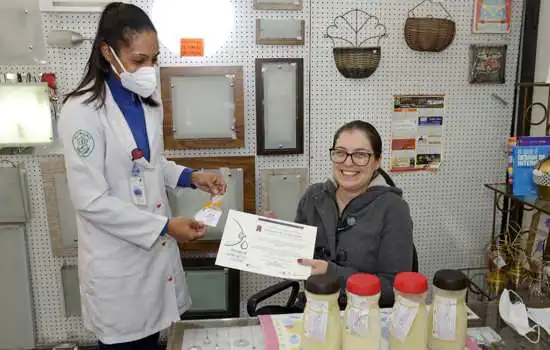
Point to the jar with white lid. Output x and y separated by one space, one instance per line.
448 319
322 322
362 328
408 322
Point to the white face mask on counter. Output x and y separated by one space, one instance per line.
515 315
142 82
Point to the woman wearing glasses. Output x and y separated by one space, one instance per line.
363 223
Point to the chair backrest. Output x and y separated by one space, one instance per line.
415 260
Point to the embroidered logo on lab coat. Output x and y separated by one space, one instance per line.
83 143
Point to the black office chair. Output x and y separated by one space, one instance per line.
296 301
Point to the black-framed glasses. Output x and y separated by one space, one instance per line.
358 158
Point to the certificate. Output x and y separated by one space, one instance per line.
266 246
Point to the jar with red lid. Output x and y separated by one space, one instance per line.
362 315
409 320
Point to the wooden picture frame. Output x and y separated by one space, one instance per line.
232 292
280 31
59 208
283 202
288 5
247 164
488 64
285 92
228 82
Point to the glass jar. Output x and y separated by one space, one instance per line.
409 319
362 328
448 319
322 323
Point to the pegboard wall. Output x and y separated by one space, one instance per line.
450 208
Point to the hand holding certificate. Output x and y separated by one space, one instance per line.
266 246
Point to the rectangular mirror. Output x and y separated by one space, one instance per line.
59 208
186 202
290 5
71 290
279 106
13 195
280 31
203 107
247 166
25 114
214 290
282 189
17 317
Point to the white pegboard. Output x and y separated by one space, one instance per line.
451 210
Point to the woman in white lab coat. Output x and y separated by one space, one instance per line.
131 278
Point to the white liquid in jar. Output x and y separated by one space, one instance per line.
322 323
408 325
448 329
362 336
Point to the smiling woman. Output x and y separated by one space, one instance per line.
208 21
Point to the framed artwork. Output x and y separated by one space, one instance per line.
187 202
488 64
280 106
247 164
289 5
282 189
203 107
215 290
280 31
59 208
492 16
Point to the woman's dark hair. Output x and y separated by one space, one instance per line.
370 132
374 139
118 24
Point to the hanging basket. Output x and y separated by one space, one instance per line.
357 62
425 33
429 34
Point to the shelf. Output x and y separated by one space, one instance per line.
530 201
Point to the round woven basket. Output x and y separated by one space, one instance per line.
429 34
357 62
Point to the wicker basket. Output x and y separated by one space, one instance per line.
356 62
429 34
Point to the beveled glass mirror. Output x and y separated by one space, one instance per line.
203 107
280 31
282 189
279 106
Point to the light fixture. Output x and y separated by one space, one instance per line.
209 20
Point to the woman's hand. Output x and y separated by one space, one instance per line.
185 230
318 267
210 182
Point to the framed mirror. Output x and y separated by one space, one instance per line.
247 164
203 107
280 31
71 290
187 202
215 290
59 208
282 189
280 106
289 5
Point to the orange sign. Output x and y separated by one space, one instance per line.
191 47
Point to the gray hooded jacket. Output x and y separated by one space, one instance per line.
374 234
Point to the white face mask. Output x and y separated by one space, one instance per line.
142 82
515 315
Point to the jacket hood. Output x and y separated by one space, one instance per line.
378 187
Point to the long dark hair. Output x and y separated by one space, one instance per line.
374 139
118 23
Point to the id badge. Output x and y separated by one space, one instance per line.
137 187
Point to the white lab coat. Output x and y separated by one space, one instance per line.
132 283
